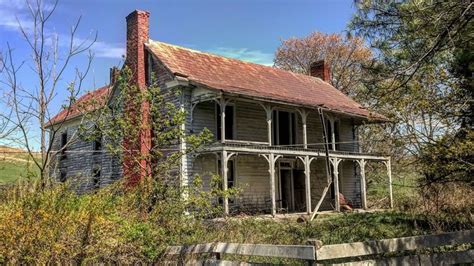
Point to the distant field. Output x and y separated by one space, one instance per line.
15 164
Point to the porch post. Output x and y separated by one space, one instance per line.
271 159
268 111
363 188
224 160
222 104
389 173
307 172
335 163
304 115
333 134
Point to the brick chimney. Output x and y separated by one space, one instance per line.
137 36
320 69
137 149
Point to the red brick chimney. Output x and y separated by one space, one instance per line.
137 36
320 69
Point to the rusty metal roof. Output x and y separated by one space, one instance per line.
254 80
87 102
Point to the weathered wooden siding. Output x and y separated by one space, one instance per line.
81 160
251 123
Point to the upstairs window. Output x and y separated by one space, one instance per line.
284 128
97 145
229 122
63 144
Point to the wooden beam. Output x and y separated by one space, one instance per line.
302 252
265 149
445 258
347 250
316 209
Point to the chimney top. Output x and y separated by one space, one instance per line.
137 12
320 69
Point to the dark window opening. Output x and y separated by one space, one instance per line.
62 176
63 145
97 146
336 135
96 177
229 122
284 126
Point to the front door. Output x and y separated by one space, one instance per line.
286 189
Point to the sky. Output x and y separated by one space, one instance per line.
249 30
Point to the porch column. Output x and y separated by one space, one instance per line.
389 173
335 163
333 134
304 115
268 110
224 172
271 159
222 104
307 172
363 186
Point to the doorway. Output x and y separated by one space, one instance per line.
291 188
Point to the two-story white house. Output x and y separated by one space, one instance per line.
288 141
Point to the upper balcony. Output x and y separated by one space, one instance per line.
251 126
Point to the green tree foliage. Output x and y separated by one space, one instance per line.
421 79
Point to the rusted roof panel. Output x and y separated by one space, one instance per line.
87 102
249 79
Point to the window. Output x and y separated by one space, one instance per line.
96 177
63 144
97 145
62 176
229 122
284 125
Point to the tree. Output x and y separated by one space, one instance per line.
120 130
49 63
414 80
345 55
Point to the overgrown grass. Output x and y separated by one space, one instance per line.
56 225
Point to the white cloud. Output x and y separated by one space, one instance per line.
244 54
13 12
108 50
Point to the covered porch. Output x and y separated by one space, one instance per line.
297 179
310 145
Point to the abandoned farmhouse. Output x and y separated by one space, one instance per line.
278 136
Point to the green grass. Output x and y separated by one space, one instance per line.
11 172
15 165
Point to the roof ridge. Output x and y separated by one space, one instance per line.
151 42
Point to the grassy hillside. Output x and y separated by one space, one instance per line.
15 164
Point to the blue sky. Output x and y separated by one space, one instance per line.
244 29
